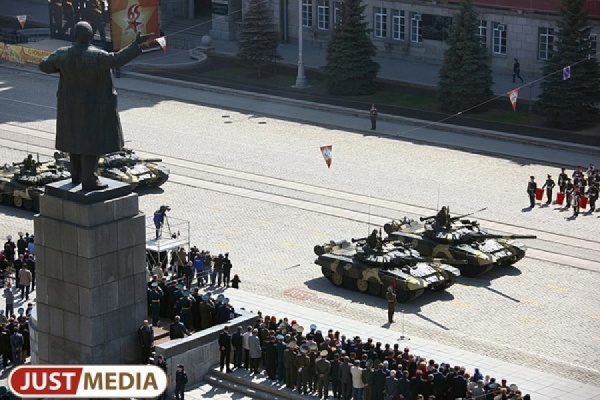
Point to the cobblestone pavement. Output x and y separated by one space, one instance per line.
538 313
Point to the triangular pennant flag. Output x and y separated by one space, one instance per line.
513 94
22 19
162 41
326 151
566 72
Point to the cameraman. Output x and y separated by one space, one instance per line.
159 218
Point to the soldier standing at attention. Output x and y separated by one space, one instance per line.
569 191
531 188
593 196
154 296
549 185
562 180
373 116
391 299
181 379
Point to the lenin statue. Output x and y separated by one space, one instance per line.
87 122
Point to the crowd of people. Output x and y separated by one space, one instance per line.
574 191
333 365
17 264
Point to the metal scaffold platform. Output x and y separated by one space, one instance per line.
167 240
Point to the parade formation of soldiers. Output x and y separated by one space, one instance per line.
312 363
64 14
575 191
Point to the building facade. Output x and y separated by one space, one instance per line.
416 29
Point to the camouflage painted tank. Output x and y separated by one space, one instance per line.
357 266
21 187
128 167
461 239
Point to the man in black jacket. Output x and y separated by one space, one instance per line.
146 338
225 348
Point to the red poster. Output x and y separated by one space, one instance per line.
128 17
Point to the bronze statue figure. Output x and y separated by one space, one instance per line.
87 122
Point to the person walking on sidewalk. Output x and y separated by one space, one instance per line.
373 116
517 71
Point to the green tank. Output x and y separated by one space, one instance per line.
21 187
354 265
128 167
460 239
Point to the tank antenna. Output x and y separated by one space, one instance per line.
437 207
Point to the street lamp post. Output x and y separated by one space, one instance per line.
301 78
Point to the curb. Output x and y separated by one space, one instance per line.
555 144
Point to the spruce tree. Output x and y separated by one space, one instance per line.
571 103
259 40
350 69
465 75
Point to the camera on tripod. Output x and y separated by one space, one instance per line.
160 216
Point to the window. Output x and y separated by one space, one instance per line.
398 25
337 17
499 39
416 34
546 40
482 33
307 13
380 23
593 46
323 14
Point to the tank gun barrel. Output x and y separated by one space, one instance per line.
498 236
466 215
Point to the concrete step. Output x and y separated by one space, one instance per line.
255 386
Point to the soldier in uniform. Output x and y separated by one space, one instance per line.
562 180
569 188
69 16
374 240
289 355
195 321
576 196
29 164
549 185
323 370
531 188
207 309
593 195
162 364
185 307
226 270
95 16
301 365
373 117
443 217
154 296
55 16
391 300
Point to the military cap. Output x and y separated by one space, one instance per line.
220 297
279 337
292 345
225 300
21 310
205 297
159 356
313 327
179 286
186 293
324 353
179 365
154 284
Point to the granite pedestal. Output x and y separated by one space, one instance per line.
91 276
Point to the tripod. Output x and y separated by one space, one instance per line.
403 337
159 226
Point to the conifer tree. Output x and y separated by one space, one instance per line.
571 103
466 75
259 40
350 69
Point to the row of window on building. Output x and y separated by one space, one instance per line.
426 26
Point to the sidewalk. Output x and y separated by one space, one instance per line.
538 384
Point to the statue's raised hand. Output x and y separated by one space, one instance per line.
140 39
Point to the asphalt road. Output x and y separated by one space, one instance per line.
258 187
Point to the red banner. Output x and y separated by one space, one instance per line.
128 17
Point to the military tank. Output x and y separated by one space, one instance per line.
459 239
22 186
128 167
355 265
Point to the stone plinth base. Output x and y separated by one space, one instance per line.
91 279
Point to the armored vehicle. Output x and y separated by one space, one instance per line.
356 265
21 186
128 167
459 239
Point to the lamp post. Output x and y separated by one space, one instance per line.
300 78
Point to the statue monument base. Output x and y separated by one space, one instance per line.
91 276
